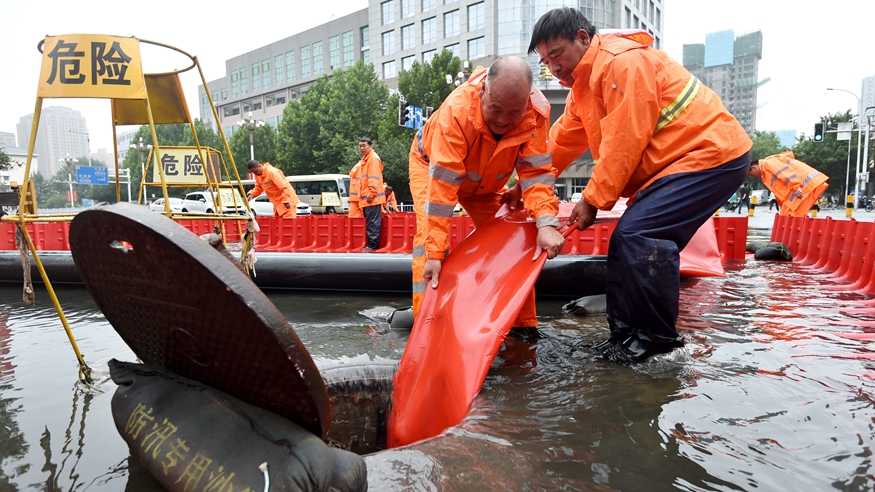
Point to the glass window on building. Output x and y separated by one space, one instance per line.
428 4
454 49
427 56
266 74
317 58
476 16
658 18
279 68
224 94
651 14
366 56
408 37
388 10
389 70
476 48
366 37
290 65
408 8
628 18
429 30
389 46
334 52
346 43
306 61
407 62
256 80
452 24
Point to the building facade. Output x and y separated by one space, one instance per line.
62 133
730 66
14 174
395 34
7 140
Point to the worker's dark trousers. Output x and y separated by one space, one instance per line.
643 257
373 223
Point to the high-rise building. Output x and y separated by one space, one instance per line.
393 35
62 133
730 66
7 140
124 140
867 95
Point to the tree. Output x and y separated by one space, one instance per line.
264 142
426 84
830 156
5 163
764 145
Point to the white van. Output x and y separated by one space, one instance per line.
312 188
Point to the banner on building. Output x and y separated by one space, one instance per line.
183 166
89 65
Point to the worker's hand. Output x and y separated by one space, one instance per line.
513 197
583 214
432 271
549 240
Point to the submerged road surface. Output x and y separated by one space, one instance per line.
774 391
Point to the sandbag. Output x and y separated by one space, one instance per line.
401 319
774 252
192 437
587 305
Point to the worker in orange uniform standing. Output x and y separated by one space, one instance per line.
272 181
355 211
658 136
491 125
796 185
371 191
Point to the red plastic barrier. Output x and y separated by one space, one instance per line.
777 228
701 256
336 238
398 229
839 241
829 237
846 250
731 238
867 269
853 264
814 242
7 236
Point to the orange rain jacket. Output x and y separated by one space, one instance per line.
391 203
371 187
464 159
354 185
643 116
796 185
279 191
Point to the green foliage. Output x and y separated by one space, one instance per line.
426 84
830 156
5 163
264 142
764 145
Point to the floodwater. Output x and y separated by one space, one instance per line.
772 392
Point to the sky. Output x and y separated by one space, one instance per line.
807 46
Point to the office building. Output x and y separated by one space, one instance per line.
62 133
7 140
14 174
730 67
395 34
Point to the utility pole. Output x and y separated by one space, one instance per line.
251 124
859 142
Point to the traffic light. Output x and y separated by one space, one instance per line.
818 132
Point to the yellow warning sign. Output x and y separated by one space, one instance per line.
91 65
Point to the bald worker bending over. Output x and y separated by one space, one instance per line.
490 126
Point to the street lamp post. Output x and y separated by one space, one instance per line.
139 146
862 173
859 141
251 124
67 161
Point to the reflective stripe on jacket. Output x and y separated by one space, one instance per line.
796 185
354 183
465 159
278 189
371 184
643 116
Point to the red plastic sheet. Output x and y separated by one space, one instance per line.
483 285
701 257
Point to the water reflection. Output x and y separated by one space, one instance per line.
773 391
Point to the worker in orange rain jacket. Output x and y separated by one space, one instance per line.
488 127
658 136
391 203
355 211
796 185
371 194
272 181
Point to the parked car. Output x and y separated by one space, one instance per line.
201 202
158 205
262 207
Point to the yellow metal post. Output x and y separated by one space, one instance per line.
156 154
849 206
118 185
31 143
84 370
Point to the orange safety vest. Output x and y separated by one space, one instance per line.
643 116
354 182
796 185
371 187
391 203
278 189
463 158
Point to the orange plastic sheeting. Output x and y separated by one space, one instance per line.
701 257
460 327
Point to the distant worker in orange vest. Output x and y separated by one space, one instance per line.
658 136
272 181
391 202
355 211
371 194
490 126
796 185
